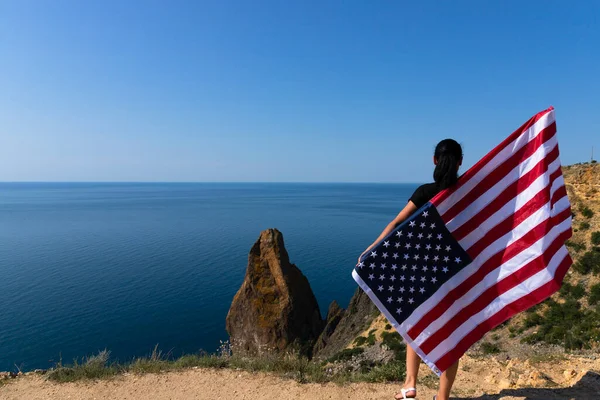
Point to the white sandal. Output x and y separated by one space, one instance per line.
404 391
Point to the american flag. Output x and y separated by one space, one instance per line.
478 253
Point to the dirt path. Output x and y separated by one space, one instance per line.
227 384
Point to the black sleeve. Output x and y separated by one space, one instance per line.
419 198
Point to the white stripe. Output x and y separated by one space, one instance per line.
509 267
509 208
487 197
498 245
536 281
491 165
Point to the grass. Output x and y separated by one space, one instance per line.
100 366
490 348
589 262
596 238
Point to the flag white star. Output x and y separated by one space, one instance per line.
420 236
402 289
417 246
399 311
373 254
380 288
406 256
391 288
394 267
395 256
434 279
393 278
445 269
399 233
438 247
423 279
410 235
408 245
439 236
397 245
425 268
403 267
412 278
390 300
422 290
412 224
428 247
386 243
414 267
457 260
429 236
412 290
434 269
432 225
436 258
382 277
371 276
426 257
411 301
400 300
361 264
448 248
384 255
446 259
402 278
425 213
372 266
383 266
416 256
422 225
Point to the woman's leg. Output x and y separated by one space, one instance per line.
412 370
446 382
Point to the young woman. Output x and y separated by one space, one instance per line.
447 159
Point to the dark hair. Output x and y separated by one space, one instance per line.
448 155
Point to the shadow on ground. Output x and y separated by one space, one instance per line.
588 388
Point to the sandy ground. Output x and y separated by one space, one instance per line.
478 380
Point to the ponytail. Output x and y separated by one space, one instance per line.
448 156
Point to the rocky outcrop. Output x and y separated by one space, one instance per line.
334 316
275 308
356 319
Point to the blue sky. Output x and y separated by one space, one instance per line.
285 91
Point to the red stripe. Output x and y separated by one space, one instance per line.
519 276
492 263
443 195
500 172
517 306
510 223
512 191
559 194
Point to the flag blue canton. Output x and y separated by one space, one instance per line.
412 262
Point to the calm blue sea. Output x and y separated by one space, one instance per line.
89 266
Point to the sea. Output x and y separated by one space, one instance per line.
129 266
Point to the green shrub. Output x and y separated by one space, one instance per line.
490 348
346 354
586 212
575 246
594 294
589 262
388 327
584 226
569 291
596 238
359 341
394 342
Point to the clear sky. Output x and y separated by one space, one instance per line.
260 90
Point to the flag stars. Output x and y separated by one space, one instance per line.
420 236
404 267
382 277
436 258
384 255
380 288
422 290
446 259
428 247
399 233
438 247
429 236
423 224
445 269
412 278
371 276
361 264
423 279
392 278
399 311
406 256
411 300
434 269
412 290
426 257
425 214
412 224
372 266
416 256
439 236
391 288
389 300
410 235
402 289
417 246
395 256
394 267
402 278
432 226
383 266
386 243
433 280
373 254
400 300
425 269
457 260
448 248
408 245
397 245
414 267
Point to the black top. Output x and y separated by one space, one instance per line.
424 193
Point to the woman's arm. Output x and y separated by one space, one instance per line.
402 215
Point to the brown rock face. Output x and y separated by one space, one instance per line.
275 309
334 315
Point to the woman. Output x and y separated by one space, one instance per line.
447 159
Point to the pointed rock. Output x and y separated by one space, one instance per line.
275 308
